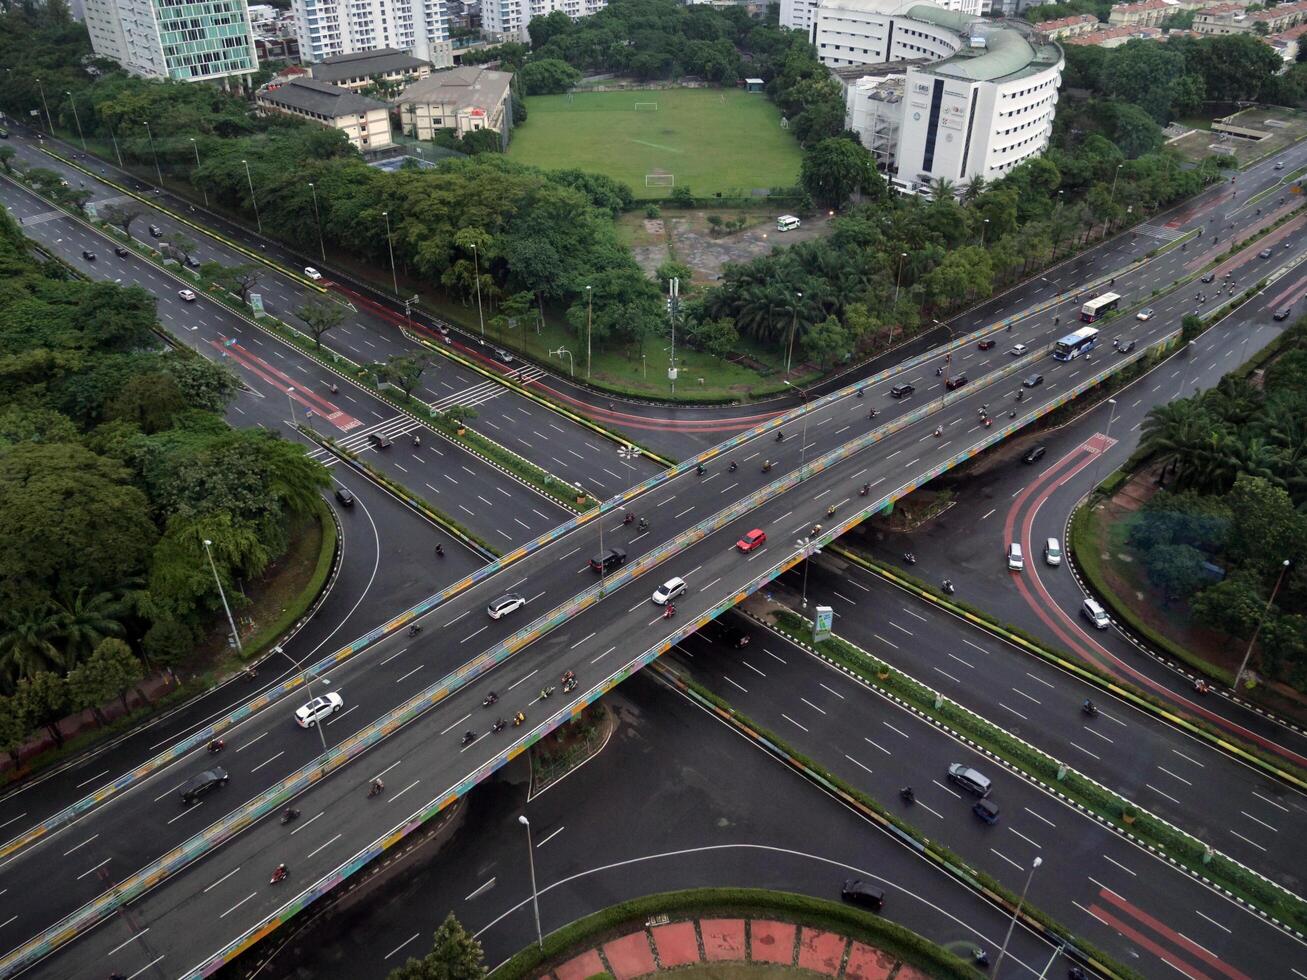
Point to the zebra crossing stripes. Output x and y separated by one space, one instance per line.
483 392
1160 231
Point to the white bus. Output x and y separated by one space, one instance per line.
1098 306
1074 344
787 222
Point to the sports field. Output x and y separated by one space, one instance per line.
713 141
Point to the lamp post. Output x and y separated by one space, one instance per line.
291 404
208 550
535 894
476 275
158 173
317 218
571 368
77 119
116 152
589 315
196 147
805 546
983 228
1106 437
1247 654
898 281
794 328
49 124
803 438
253 199
1015 912
394 279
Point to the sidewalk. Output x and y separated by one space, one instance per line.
760 942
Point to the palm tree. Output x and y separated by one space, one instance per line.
974 188
26 642
941 189
1173 429
85 621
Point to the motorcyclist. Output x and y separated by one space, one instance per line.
217 745
669 611
629 518
440 551
1089 707
699 469
290 814
866 489
734 466
469 737
939 431
378 787
335 389
909 557
280 872
414 630
519 718
908 795
872 414
766 467
417 441
780 436
644 525
490 699
948 586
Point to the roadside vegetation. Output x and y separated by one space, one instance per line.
122 493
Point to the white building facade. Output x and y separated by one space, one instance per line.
204 40
800 15
977 99
507 20
328 28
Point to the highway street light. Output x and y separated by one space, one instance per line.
196 147
535 894
476 275
898 281
1015 912
589 315
48 123
794 329
116 152
158 173
803 439
983 228
1098 465
571 369
394 279
208 550
322 248
1243 665
253 199
808 552
77 119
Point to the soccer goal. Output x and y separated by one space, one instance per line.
646 107
659 180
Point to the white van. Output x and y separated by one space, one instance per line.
787 222
1096 614
1015 560
1053 552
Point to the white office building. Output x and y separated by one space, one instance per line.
203 40
972 98
799 15
329 28
507 20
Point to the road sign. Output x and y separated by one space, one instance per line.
821 625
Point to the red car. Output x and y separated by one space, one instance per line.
986 344
754 539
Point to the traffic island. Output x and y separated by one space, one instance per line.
736 934
569 747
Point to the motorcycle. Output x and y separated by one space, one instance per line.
288 816
909 557
939 431
546 692
830 511
280 873
766 467
377 787
872 414
859 392
733 467
980 957
864 490
628 519
699 470
644 525
440 551
414 630
948 587
518 719
489 699
468 738
669 611
217 745
499 726
987 422
780 437
1090 709
907 795
569 685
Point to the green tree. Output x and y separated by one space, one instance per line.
672 269
319 315
835 169
43 698
548 76
238 279
404 371
826 343
718 337
178 246
1176 569
149 401
1190 327
455 955
6 158
1267 529
167 642
28 632
1233 605
85 620
682 196
14 729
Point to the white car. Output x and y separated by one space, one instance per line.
673 588
1145 314
504 605
317 709
312 273
187 295
1018 350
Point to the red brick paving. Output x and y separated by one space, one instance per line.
630 956
910 973
821 952
771 942
580 967
723 939
866 963
677 944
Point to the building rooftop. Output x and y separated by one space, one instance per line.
1115 31
364 64
1045 26
460 88
311 95
1009 48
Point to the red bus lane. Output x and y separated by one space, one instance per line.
320 407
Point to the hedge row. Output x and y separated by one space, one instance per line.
1182 848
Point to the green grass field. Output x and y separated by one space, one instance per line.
713 141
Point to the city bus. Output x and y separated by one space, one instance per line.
1098 306
1074 344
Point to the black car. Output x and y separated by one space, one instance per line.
1283 312
957 381
1125 347
1033 381
858 892
726 634
1210 277
986 810
121 251
191 262
205 782
380 440
345 497
986 345
614 558
1034 455
88 255
902 391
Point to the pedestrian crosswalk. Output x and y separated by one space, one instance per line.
479 394
1159 231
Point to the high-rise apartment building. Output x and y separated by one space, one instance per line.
328 28
508 19
184 41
